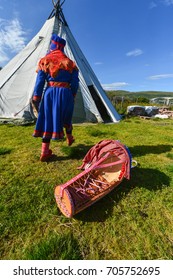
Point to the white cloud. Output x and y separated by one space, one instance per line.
135 52
156 3
114 86
98 63
161 76
152 5
3 56
168 2
12 38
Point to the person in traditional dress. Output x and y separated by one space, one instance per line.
54 93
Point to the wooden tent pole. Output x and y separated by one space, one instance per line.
57 8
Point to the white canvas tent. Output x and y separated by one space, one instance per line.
17 78
167 101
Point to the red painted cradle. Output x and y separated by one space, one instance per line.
105 166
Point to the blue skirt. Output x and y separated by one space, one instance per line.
55 113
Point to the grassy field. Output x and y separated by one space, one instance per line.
135 221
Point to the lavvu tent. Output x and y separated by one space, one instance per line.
17 78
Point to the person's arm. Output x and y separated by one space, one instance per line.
39 86
38 91
74 82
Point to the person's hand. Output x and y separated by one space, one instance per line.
35 106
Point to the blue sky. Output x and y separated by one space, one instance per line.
128 43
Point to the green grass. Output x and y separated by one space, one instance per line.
135 221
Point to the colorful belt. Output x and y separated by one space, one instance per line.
58 84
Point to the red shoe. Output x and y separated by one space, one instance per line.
45 157
70 139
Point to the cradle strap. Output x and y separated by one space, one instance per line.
96 165
109 164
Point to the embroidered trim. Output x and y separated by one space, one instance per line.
57 43
36 98
48 135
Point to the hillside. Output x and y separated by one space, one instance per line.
146 94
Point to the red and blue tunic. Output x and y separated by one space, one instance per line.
57 102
